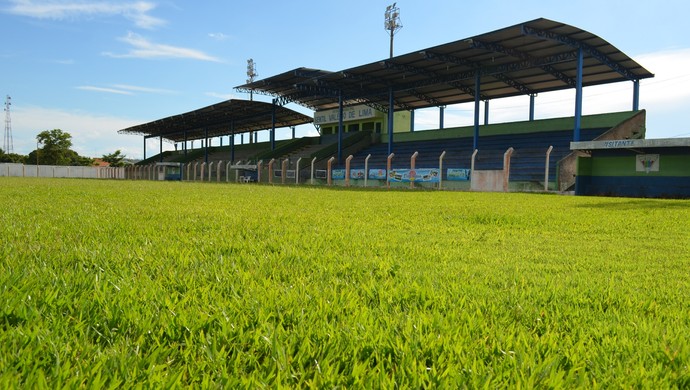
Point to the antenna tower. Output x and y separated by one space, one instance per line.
251 74
392 22
7 145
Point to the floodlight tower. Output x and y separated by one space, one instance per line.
392 22
251 74
7 144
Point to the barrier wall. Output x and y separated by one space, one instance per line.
56 171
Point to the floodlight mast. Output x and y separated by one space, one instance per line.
392 22
251 74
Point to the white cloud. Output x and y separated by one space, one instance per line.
137 12
143 48
102 89
219 36
135 88
93 135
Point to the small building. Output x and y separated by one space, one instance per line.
654 168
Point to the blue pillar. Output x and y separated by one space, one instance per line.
636 95
340 127
531 106
411 121
486 112
206 146
232 141
391 113
578 96
441 111
477 97
185 144
144 148
160 148
273 125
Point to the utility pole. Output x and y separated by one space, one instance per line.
392 22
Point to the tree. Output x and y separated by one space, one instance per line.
56 150
11 157
115 159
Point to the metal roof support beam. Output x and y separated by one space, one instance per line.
160 148
231 141
391 112
578 97
185 144
601 57
477 88
441 111
144 148
411 121
543 62
636 95
531 106
486 112
273 125
206 145
340 130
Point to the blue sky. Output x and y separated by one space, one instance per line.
94 67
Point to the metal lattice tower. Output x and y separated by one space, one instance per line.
7 145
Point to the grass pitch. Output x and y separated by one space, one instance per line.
124 283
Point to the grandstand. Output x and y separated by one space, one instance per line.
366 113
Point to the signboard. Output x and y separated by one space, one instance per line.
647 163
338 174
377 174
458 174
426 175
354 113
357 174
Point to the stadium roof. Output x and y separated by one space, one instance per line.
238 116
526 59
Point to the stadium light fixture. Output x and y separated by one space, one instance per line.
392 22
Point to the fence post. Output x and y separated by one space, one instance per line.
413 164
329 177
440 169
388 169
297 171
270 171
218 170
506 167
227 171
348 160
283 171
366 169
546 171
313 166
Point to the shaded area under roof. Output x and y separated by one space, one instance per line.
238 116
526 59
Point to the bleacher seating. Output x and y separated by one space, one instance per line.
527 162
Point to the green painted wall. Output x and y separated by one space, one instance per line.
670 165
542 125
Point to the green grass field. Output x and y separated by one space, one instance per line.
105 284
